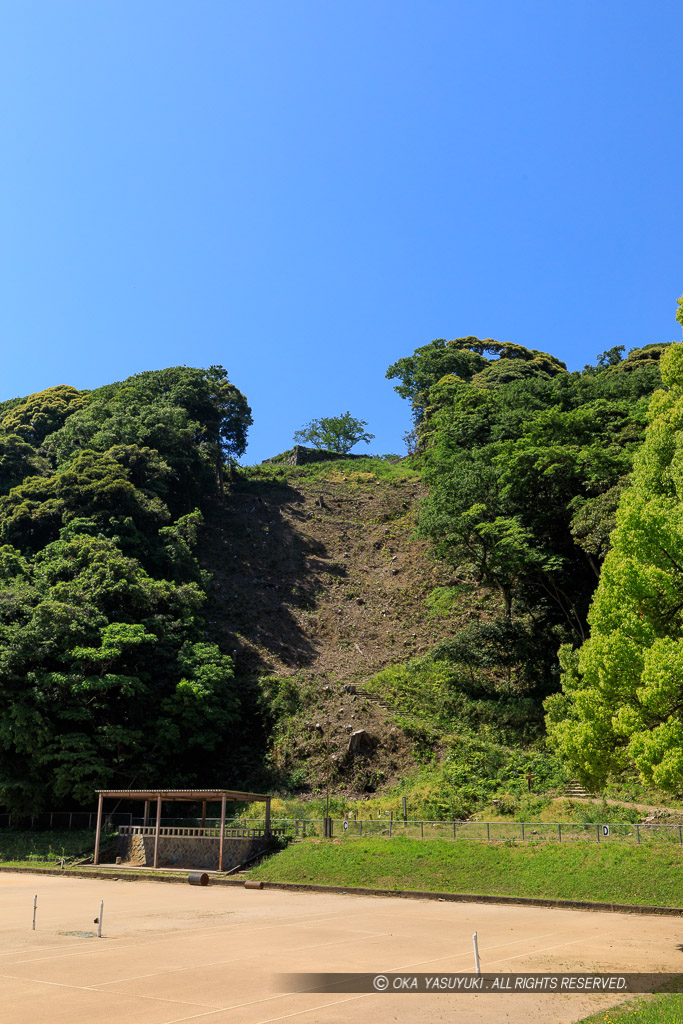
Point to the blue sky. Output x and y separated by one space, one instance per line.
307 191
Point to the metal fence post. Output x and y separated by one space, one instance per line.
680 836
637 834
454 830
522 823
597 832
488 830
559 832
360 827
422 830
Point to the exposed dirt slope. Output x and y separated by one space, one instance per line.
319 578
322 576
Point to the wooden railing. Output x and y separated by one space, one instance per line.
209 832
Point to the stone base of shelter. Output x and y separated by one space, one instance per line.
188 851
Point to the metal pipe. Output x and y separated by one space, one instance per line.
477 965
99 920
35 904
96 855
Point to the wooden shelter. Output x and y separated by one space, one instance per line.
178 796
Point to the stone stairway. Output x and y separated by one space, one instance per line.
374 699
380 702
573 788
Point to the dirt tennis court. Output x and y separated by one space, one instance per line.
180 953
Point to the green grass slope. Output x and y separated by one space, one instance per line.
633 875
662 1009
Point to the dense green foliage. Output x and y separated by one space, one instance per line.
106 676
622 702
48 848
335 433
525 464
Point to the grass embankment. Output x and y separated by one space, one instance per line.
46 849
664 1009
633 875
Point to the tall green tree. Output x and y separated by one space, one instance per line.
622 699
335 433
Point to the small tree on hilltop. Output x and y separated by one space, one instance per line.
335 433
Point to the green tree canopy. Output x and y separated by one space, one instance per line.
466 359
622 699
524 463
335 433
107 671
42 413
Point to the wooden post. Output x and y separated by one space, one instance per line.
203 813
268 817
95 859
157 827
145 820
220 846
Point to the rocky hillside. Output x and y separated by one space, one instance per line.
319 582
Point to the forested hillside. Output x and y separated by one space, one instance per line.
167 616
106 677
621 705
525 464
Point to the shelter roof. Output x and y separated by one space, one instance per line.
189 795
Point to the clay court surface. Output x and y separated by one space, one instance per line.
180 953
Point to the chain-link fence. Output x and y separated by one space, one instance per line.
389 827
512 831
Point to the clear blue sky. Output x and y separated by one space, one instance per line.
305 191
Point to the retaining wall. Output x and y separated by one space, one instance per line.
300 456
188 851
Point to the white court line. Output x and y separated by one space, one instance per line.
350 999
41 981
97 986
237 959
292 949
36 949
571 942
297 1013
180 934
280 995
363 995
